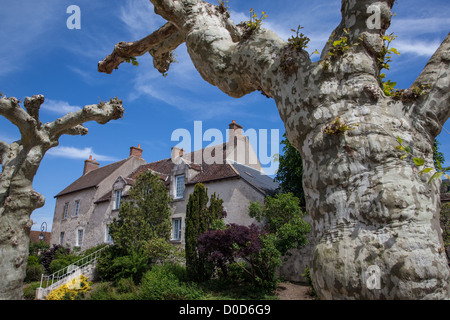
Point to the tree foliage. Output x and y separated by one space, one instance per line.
144 216
290 171
199 219
258 250
283 217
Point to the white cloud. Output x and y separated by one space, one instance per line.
59 106
139 18
75 153
420 48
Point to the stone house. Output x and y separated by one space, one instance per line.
84 209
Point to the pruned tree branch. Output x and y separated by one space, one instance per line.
11 110
72 122
434 106
32 106
126 50
4 147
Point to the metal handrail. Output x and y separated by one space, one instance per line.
70 269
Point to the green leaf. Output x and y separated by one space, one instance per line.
395 51
447 176
398 138
419 162
426 170
437 175
403 157
439 164
408 149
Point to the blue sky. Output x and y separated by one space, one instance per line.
40 55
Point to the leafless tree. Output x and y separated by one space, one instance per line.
20 161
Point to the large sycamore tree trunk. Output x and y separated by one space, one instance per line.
20 161
375 219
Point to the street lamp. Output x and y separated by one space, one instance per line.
43 229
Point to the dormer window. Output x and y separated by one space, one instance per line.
117 199
179 186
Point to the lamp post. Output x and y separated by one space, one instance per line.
43 229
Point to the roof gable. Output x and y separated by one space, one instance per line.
92 178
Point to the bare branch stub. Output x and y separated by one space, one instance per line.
126 50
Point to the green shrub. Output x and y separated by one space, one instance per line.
62 261
34 273
162 283
29 290
126 290
126 285
34 269
115 264
307 275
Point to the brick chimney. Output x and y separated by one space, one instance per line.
136 152
176 152
90 165
234 132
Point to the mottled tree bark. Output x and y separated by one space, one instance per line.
20 161
375 219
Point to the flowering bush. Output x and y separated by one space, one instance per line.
72 290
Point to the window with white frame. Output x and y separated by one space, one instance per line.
179 186
76 209
80 236
117 199
66 210
176 229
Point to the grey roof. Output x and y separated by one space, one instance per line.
257 179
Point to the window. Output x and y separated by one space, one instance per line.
176 229
80 237
66 210
179 186
117 199
76 210
108 238
61 238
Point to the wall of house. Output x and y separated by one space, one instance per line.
91 217
72 224
236 194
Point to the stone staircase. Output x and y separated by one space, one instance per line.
84 266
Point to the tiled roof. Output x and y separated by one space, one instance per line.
92 178
207 173
34 236
163 167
